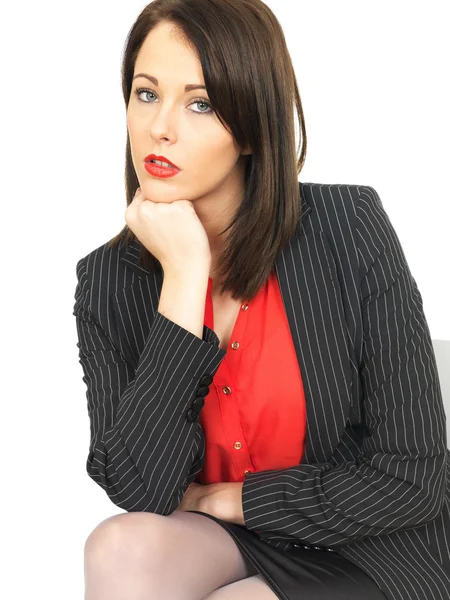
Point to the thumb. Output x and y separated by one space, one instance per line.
138 197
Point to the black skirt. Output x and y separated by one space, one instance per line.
303 574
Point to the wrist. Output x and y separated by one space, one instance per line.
199 269
204 501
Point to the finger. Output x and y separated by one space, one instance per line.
138 199
138 196
131 207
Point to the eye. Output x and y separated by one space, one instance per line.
139 91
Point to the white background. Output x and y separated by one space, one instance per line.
373 78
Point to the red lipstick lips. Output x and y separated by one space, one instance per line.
160 158
159 170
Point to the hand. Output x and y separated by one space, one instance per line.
171 231
224 501
192 497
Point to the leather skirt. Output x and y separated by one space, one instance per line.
301 572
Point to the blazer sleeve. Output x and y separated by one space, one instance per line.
399 480
143 450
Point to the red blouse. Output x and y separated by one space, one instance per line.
254 416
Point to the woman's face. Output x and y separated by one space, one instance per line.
166 120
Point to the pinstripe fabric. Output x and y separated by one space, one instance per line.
374 482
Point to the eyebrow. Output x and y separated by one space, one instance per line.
187 88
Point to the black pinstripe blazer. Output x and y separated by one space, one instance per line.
374 482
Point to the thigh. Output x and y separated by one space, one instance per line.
183 555
207 544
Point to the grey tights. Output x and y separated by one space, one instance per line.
182 556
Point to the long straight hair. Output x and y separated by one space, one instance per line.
250 81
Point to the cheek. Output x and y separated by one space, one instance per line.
133 134
220 157
130 125
132 121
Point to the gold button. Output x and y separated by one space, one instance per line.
237 445
226 390
244 306
246 471
235 345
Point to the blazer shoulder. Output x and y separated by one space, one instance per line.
335 205
103 254
99 273
332 199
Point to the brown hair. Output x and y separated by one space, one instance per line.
252 87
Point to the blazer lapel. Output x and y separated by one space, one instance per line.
310 289
311 294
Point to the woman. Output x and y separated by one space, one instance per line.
265 405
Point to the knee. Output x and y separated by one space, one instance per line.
124 537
